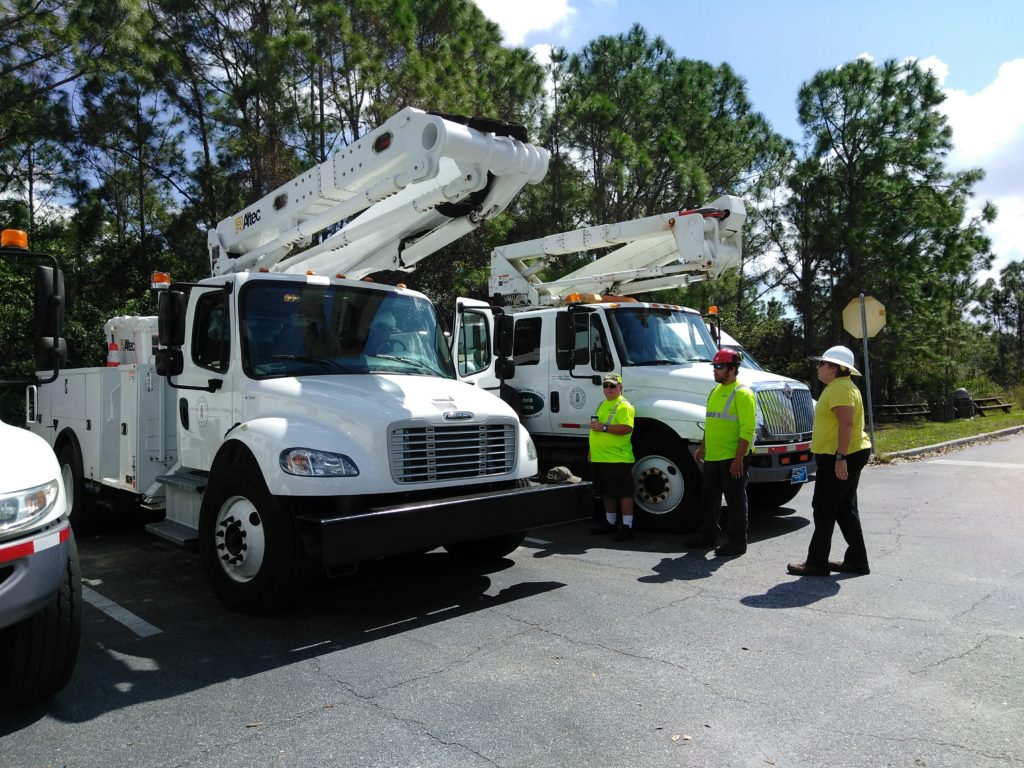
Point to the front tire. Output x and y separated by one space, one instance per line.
250 549
38 654
666 483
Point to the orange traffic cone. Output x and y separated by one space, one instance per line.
113 354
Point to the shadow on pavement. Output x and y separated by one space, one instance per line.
202 644
801 591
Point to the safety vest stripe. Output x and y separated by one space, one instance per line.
724 413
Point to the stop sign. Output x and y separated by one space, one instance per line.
874 316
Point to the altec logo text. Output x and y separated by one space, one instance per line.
246 220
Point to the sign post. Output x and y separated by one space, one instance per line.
862 318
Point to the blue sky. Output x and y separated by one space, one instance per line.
975 49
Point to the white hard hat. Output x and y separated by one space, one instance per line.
839 355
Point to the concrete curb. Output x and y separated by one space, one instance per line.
952 443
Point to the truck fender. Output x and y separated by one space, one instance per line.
685 419
265 438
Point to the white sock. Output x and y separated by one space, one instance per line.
627 520
611 517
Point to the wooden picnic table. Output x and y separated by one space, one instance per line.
903 410
982 404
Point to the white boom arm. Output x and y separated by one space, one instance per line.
666 251
401 192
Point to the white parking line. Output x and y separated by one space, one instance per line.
117 613
993 464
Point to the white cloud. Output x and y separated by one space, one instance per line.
988 133
520 18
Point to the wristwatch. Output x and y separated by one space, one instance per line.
604 427
840 457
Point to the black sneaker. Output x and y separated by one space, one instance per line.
603 528
625 533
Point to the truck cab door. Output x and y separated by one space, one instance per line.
206 410
482 350
583 354
472 343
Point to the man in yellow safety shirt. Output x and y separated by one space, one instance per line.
725 452
611 458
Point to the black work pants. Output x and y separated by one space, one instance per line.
835 501
717 481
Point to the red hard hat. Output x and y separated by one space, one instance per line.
727 356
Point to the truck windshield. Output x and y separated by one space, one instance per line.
646 335
298 329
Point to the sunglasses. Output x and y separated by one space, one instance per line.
720 366
610 386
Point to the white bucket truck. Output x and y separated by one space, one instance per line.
569 332
293 418
40 582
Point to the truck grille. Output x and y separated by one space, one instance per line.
782 417
424 454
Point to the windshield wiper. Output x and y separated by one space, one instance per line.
415 363
660 361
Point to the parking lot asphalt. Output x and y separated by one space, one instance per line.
577 651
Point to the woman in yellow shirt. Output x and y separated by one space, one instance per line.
841 449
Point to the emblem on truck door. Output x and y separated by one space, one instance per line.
457 415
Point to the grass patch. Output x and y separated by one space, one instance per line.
916 434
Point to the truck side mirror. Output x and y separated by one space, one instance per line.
49 306
169 362
503 326
504 368
51 350
49 356
171 308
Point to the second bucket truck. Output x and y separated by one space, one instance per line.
570 331
294 419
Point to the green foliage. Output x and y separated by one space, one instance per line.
908 435
128 129
873 209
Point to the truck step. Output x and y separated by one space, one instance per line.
184 479
174 532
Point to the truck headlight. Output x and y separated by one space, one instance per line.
23 508
306 462
531 449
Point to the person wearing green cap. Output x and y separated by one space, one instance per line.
611 458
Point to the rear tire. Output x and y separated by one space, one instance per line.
666 483
250 548
38 654
74 485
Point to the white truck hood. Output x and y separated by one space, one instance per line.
373 400
28 460
352 415
697 378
